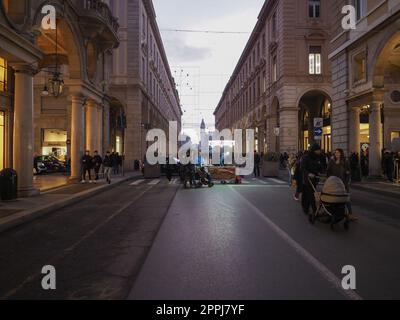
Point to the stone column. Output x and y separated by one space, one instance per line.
354 126
91 126
23 130
106 127
100 124
77 140
375 136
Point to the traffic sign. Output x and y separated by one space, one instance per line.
318 122
318 132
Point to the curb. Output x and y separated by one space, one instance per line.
26 216
377 191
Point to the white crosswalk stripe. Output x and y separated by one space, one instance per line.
137 182
154 182
173 181
277 181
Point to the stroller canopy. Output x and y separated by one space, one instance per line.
334 191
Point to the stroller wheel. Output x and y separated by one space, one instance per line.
332 226
346 225
311 218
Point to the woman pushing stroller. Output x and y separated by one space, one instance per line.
340 167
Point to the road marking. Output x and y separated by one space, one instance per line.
173 181
307 256
154 182
262 181
68 250
137 182
245 181
277 181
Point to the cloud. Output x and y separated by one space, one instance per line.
179 50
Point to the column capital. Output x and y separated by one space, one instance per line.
25 69
77 98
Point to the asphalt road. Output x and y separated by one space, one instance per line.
96 246
155 240
253 242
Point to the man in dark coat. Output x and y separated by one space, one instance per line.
388 164
311 168
86 167
107 163
97 162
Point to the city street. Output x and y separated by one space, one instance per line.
151 239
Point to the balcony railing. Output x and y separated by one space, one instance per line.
103 11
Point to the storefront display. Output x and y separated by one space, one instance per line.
55 143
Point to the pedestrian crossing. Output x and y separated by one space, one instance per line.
249 182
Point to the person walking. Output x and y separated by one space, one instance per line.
298 177
97 162
107 164
340 167
388 164
86 162
257 162
311 169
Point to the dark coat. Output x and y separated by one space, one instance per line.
310 163
97 161
107 162
87 162
341 170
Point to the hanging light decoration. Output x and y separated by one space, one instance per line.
56 83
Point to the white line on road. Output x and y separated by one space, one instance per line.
137 182
173 181
307 256
277 181
262 181
154 182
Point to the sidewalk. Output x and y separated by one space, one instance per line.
379 187
20 211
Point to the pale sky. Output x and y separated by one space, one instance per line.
202 62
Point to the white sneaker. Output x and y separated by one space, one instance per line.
90 181
83 181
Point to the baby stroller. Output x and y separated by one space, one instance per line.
331 203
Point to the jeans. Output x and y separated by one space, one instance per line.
107 173
88 171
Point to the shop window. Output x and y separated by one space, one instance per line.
55 143
314 8
360 68
394 135
2 139
315 60
3 75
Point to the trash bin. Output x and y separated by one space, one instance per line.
8 185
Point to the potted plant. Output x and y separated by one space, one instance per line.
270 165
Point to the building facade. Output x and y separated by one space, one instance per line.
69 89
54 99
141 77
366 79
283 78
